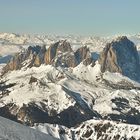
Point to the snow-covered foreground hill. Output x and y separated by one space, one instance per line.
93 130
10 130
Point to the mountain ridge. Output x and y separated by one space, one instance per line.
44 86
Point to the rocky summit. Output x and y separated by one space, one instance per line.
121 56
58 54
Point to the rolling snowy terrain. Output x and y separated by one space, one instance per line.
13 131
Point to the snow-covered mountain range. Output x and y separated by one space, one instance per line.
72 87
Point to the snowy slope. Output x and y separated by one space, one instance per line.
44 89
103 130
93 130
10 130
62 89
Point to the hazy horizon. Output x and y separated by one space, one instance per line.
76 17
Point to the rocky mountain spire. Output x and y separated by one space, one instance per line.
58 54
121 56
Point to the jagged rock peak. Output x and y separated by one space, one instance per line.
120 38
82 53
19 59
34 49
55 49
64 46
58 54
121 56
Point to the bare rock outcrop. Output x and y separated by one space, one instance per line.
51 53
58 54
82 53
121 56
17 62
89 61
63 47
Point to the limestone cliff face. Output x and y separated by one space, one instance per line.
89 61
58 54
66 60
51 53
82 53
17 62
121 56
65 56
108 60
61 54
39 57
63 47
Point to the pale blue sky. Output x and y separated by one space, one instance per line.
85 17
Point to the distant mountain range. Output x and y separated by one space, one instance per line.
72 87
